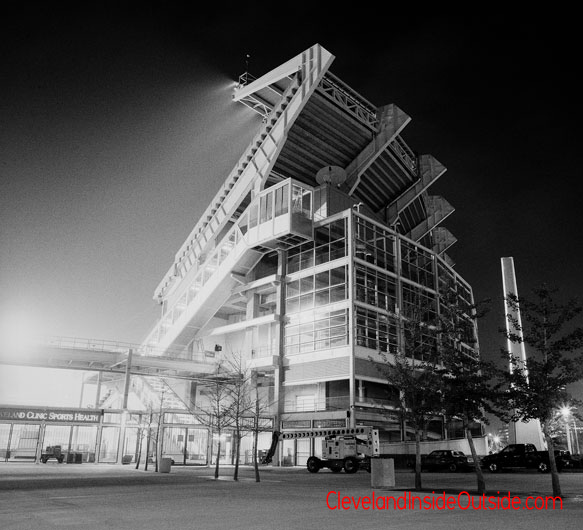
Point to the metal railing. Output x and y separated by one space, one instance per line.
100 345
334 403
350 100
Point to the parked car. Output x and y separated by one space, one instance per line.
446 460
564 460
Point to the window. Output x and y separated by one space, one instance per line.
375 330
326 287
417 264
329 244
281 198
374 244
418 304
266 203
316 330
375 288
301 201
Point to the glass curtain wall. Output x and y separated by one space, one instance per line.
396 280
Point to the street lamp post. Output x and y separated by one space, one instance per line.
566 413
568 433
576 436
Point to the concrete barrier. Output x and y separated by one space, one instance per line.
165 465
382 473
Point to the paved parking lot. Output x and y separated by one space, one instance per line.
120 497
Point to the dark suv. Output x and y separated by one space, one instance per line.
525 456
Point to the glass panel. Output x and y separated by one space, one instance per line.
337 249
319 327
23 442
293 288
109 442
57 435
338 275
306 284
323 254
303 452
83 441
322 298
5 429
243 223
307 204
293 305
293 264
266 205
337 294
196 446
322 280
296 199
131 445
307 259
281 200
307 301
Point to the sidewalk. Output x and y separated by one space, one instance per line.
17 476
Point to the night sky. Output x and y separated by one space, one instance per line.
117 127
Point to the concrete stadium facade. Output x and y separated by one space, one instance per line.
308 256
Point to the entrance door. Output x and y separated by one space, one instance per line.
83 440
186 445
303 452
174 444
196 446
109 444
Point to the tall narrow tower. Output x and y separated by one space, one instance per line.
520 431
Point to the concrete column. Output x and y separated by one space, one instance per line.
278 379
252 311
126 387
350 250
124 414
98 390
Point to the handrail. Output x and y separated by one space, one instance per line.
220 253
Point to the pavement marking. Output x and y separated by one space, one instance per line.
71 497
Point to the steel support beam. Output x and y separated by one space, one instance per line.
392 121
442 240
258 159
438 209
430 170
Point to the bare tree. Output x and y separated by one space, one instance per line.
149 429
412 369
247 408
239 392
260 406
216 414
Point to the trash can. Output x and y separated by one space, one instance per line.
165 465
74 458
